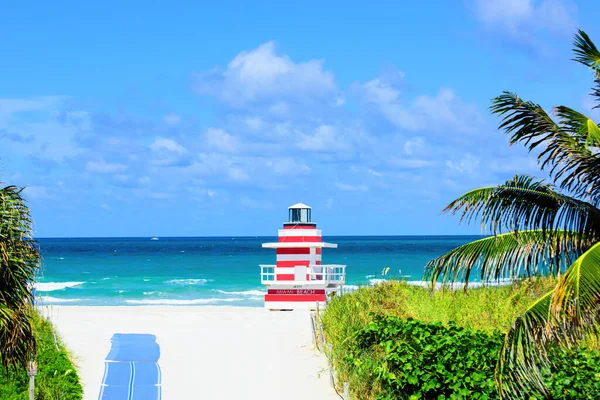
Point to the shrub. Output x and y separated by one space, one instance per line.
56 379
394 341
574 374
410 359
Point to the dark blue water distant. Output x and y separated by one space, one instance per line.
211 271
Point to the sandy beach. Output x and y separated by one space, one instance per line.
205 352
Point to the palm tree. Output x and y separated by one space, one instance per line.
19 262
539 228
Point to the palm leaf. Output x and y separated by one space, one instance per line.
525 204
579 126
564 317
576 299
522 355
508 255
588 54
571 163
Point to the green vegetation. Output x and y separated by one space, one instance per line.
24 334
540 228
487 309
413 359
19 262
394 341
56 379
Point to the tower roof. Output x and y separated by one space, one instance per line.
299 205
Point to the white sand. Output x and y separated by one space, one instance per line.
205 352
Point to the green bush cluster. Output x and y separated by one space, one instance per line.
573 374
56 379
362 359
411 359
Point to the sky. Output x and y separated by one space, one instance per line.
211 118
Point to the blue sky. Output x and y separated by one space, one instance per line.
190 119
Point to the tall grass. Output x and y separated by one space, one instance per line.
56 379
487 308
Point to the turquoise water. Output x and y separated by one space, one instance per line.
208 271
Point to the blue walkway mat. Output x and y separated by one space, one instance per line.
131 371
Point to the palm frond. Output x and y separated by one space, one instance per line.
579 126
588 54
522 355
576 300
526 204
586 51
508 255
571 163
563 318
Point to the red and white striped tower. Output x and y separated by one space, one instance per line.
299 279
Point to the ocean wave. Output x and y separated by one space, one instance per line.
243 293
370 276
52 286
377 281
187 281
174 302
48 299
151 293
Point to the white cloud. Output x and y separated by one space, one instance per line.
379 91
468 164
288 167
122 178
172 119
200 193
37 192
12 107
410 162
220 140
375 173
414 145
167 144
105 168
324 138
36 127
442 112
263 75
106 207
238 174
519 18
255 124
351 188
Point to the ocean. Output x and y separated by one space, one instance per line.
208 271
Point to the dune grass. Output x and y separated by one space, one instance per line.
56 379
488 309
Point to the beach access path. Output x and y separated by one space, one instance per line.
205 352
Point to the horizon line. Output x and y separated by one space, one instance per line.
245 236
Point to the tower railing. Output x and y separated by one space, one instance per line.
330 274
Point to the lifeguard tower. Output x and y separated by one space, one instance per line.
299 280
